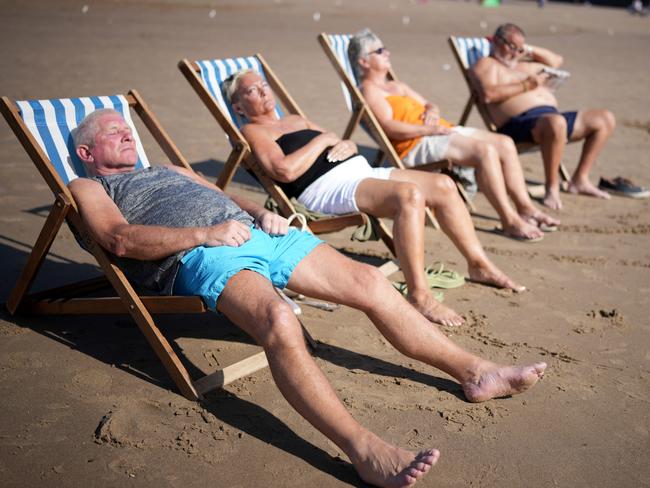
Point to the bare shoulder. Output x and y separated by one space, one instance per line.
485 65
83 186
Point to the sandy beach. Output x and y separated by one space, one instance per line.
84 400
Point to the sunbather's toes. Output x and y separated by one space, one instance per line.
433 310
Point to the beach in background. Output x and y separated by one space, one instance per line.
84 400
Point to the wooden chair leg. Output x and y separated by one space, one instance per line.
466 110
465 197
431 219
357 114
234 160
45 239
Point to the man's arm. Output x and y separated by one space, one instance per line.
269 222
145 242
544 56
397 130
484 74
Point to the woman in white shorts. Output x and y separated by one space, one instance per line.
421 136
327 175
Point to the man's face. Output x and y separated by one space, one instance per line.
114 146
510 48
254 95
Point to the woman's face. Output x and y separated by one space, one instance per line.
378 56
254 96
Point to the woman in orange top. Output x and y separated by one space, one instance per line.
420 136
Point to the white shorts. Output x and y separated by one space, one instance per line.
333 193
433 148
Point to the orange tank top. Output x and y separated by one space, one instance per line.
407 109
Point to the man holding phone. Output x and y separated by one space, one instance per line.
516 84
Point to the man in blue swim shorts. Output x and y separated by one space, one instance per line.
516 82
172 231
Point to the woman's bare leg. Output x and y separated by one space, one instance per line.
484 157
404 204
441 195
513 176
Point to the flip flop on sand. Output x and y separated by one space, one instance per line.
500 231
439 277
542 222
401 287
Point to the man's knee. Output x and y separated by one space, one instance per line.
367 284
609 120
282 328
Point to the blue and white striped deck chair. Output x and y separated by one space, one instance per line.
335 47
206 77
43 128
51 122
467 51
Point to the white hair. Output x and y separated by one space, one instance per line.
84 134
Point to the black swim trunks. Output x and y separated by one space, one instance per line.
520 127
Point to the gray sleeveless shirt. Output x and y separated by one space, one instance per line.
161 196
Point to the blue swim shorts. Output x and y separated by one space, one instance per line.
520 128
204 271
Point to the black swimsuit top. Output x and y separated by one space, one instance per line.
293 141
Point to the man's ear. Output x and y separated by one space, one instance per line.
84 153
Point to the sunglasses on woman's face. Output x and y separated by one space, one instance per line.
380 50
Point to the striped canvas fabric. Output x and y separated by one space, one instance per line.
340 43
51 121
215 71
471 49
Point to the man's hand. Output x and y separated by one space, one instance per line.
342 150
272 223
229 233
534 81
431 115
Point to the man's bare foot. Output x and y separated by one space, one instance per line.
499 381
381 464
490 275
587 188
542 220
523 231
552 199
433 310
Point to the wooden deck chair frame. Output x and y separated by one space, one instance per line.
242 155
69 299
475 101
362 114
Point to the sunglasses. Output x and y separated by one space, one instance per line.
380 50
512 46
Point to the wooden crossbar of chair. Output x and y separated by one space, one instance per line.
66 299
241 154
474 100
362 115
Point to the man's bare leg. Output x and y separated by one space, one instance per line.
513 176
327 274
250 301
441 195
404 204
550 133
596 127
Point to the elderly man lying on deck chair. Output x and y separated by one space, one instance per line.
173 231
